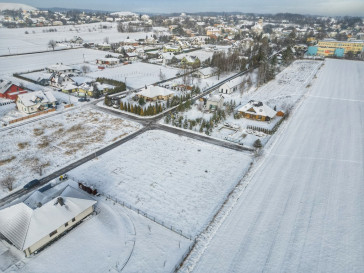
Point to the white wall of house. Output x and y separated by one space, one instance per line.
66 226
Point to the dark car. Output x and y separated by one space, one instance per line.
31 184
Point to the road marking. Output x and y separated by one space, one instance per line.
317 158
330 98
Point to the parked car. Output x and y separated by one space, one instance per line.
31 184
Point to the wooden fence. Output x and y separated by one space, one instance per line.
32 115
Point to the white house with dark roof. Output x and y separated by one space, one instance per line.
34 223
35 101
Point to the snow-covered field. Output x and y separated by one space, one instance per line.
25 63
175 179
137 74
57 141
115 238
303 208
17 41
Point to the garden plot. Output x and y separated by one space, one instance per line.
178 180
115 238
41 147
136 75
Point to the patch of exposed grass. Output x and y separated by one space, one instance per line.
38 131
44 142
22 145
7 160
75 128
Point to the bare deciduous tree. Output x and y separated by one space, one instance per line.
85 69
52 44
7 182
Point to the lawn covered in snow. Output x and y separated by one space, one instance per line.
137 74
178 180
26 63
302 211
17 41
41 147
114 239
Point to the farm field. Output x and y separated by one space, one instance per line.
41 147
25 63
16 41
115 237
302 211
178 180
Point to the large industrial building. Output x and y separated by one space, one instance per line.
332 47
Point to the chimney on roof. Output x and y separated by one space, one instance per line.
60 201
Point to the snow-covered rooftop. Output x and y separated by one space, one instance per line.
258 108
152 91
24 226
30 98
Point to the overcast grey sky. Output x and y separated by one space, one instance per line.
319 7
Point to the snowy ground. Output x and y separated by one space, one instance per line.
17 41
115 238
137 74
303 208
26 63
57 141
178 180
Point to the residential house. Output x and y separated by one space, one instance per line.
60 68
40 219
214 102
33 102
9 90
257 110
193 61
230 86
60 79
154 92
171 48
108 61
205 73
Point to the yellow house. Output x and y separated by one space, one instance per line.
327 46
31 225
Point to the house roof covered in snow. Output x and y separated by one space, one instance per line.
234 82
207 71
24 226
59 67
152 91
4 85
257 108
31 98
